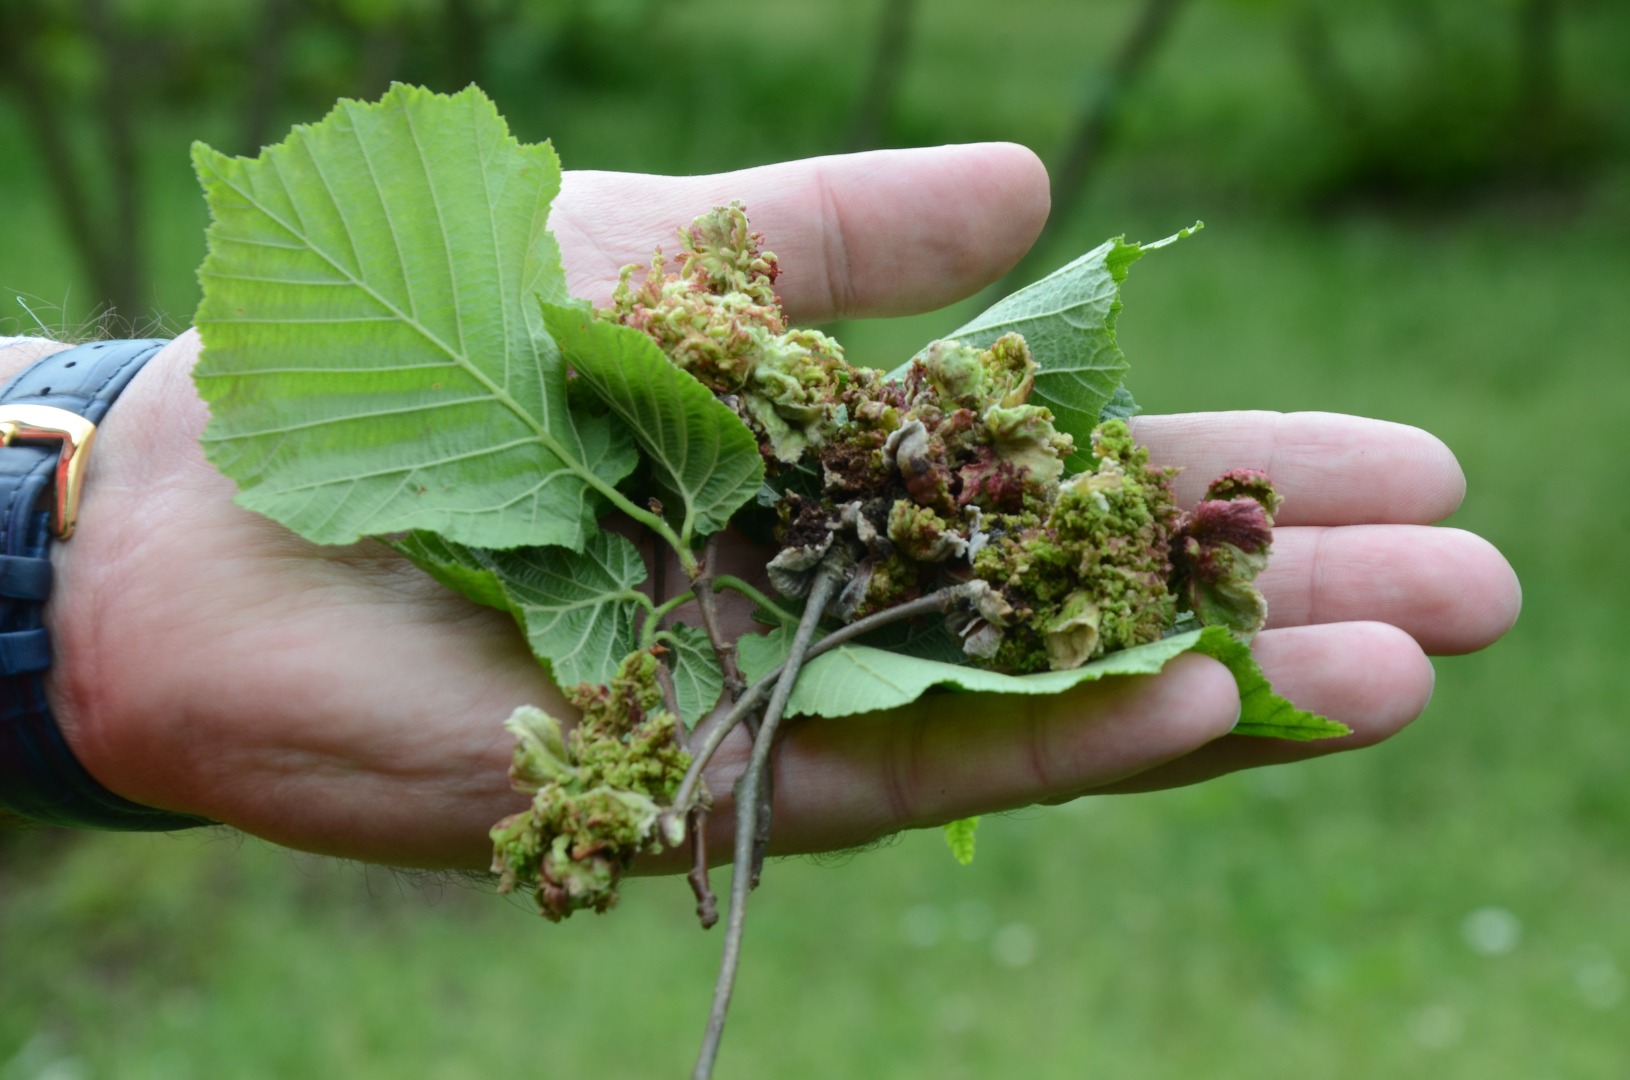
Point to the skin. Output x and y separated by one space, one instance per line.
338 701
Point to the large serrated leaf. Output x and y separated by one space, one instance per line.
374 359
698 682
699 446
857 679
1068 320
581 610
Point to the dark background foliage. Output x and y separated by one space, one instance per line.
1416 210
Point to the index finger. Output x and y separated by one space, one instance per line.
887 232
1332 469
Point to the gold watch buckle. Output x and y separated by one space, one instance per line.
44 423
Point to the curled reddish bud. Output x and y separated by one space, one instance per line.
1215 525
993 483
1219 548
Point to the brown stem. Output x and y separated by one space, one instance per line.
659 568
670 699
707 603
761 826
707 905
715 738
941 601
749 791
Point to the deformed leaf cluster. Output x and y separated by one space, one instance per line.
391 351
597 793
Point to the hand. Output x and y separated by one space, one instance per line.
337 700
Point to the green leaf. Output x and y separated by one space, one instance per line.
698 682
580 610
463 569
701 449
374 359
1263 712
857 679
959 835
1068 321
1120 406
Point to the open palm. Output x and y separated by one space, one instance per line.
337 700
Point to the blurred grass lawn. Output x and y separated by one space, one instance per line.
1451 904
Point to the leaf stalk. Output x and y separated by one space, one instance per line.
724 649
756 595
653 620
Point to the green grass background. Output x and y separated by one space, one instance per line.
1455 903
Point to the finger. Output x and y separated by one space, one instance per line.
1450 590
1332 469
1371 677
880 233
844 781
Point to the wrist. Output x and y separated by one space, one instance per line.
114 689
23 352
53 411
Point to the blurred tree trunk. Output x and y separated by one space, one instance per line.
466 40
105 233
382 48
1096 125
266 79
1421 21
891 42
1097 121
126 252
1313 48
1538 82
380 43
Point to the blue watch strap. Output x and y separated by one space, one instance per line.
39 776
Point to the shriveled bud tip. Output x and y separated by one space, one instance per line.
724 255
598 794
671 827
1246 484
1071 637
540 756
954 369
1010 369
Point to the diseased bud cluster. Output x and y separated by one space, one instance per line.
927 472
950 475
1221 545
596 793
718 318
1089 575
